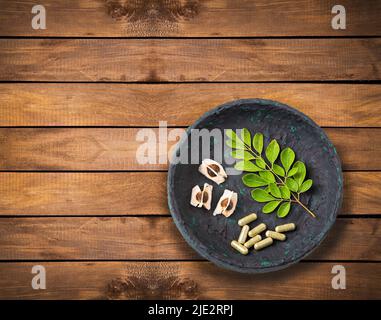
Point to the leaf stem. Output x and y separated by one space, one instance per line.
296 198
304 207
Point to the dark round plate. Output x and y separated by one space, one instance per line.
211 235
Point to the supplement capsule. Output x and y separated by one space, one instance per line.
253 241
239 247
276 235
257 230
243 235
246 220
263 244
285 227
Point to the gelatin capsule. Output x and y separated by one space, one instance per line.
246 220
263 244
276 235
285 227
243 235
239 247
248 244
257 230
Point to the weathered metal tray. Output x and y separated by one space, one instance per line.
211 235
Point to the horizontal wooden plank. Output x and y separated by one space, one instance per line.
152 238
66 104
157 60
189 18
186 280
122 193
116 149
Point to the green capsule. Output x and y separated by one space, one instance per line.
248 244
243 235
239 247
276 235
246 220
285 227
263 244
257 230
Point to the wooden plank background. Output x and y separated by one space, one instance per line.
79 104
73 97
115 149
120 238
185 280
190 18
120 193
187 60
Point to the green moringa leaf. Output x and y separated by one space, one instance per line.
272 151
270 206
275 191
285 191
258 142
231 135
292 184
268 176
292 172
253 180
287 157
260 163
278 170
261 195
284 209
246 166
242 154
305 186
246 136
236 144
301 174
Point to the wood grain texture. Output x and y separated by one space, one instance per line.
152 238
102 104
189 18
158 60
116 149
133 193
186 280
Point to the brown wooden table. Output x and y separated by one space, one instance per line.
72 97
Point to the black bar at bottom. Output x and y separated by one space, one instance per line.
197 309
